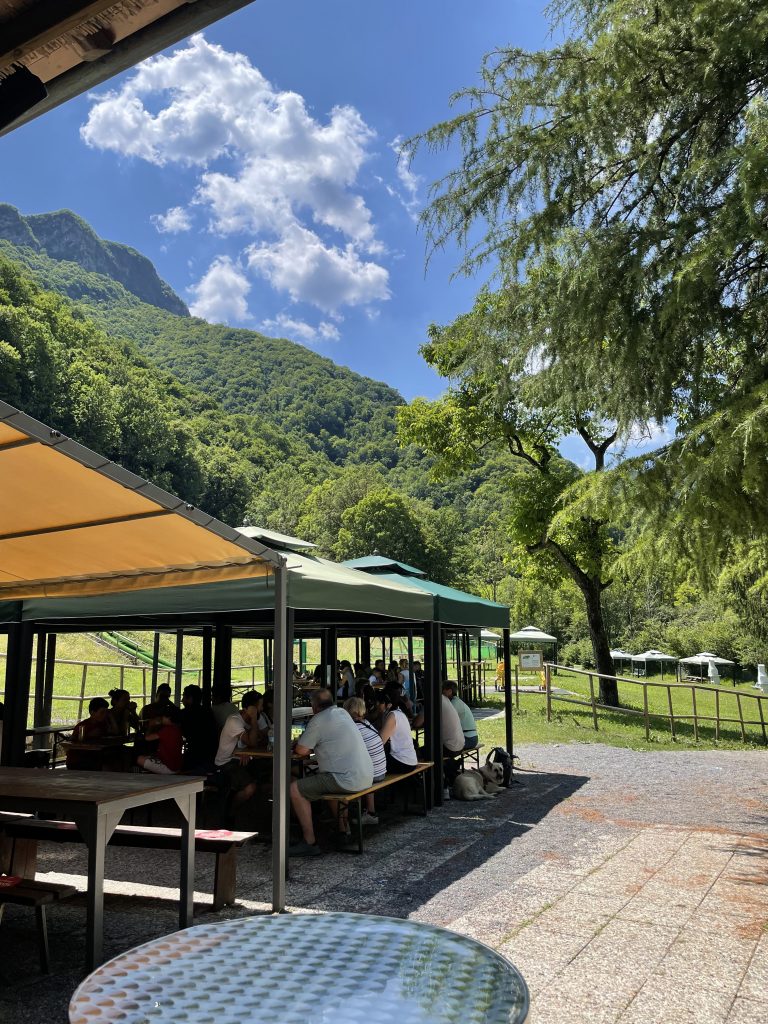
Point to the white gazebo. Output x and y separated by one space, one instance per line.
704 660
640 661
532 635
621 656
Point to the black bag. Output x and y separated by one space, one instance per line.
500 756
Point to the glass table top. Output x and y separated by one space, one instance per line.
305 969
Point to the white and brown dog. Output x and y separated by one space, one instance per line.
479 783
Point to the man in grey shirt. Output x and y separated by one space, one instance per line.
343 760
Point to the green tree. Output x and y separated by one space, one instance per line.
615 185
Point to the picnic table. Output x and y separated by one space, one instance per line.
96 801
422 975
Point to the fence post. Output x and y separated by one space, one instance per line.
671 713
548 685
592 698
517 687
695 715
741 718
645 712
762 719
717 715
82 693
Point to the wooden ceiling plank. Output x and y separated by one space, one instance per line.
44 23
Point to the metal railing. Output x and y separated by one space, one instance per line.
673 717
126 679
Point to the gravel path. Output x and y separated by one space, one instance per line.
627 886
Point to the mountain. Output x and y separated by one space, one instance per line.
334 411
63 237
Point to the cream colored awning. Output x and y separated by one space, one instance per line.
72 523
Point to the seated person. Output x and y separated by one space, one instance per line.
266 721
240 731
90 730
355 708
398 698
222 705
376 678
453 739
346 681
122 717
467 719
198 727
417 677
404 678
396 731
343 760
393 670
161 707
168 757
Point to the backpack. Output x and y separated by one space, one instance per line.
500 756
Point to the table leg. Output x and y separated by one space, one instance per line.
94 833
186 805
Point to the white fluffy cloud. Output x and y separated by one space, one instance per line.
266 168
221 293
172 221
300 330
325 276
409 182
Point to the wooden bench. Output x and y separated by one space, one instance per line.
27 831
471 754
345 799
31 893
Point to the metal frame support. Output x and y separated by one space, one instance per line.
155 662
508 693
433 733
365 651
206 676
281 775
332 654
18 669
177 674
222 655
39 682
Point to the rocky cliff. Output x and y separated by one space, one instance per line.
65 237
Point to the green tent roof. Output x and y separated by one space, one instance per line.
379 564
456 607
313 583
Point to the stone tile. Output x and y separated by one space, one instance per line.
558 1007
755 982
748 1011
625 948
662 1000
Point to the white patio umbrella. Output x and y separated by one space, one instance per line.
708 659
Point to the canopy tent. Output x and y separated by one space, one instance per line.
453 607
533 635
704 660
621 656
278 541
51 52
74 523
640 661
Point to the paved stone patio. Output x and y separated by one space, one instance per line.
626 886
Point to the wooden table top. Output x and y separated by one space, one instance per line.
33 784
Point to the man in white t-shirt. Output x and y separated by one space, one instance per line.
345 766
464 711
239 731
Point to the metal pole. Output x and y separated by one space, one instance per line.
18 669
39 685
508 693
207 665
179 666
282 682
433 646
155 662
331 674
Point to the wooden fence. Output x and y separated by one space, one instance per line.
126 678
670 715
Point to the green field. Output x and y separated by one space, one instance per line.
573 723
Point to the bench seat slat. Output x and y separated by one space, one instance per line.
388 780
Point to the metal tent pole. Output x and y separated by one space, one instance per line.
18 668
282 681
207 667
155 662
508 693
179 667
39 686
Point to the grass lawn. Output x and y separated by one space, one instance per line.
571 723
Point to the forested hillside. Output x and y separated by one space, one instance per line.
252 427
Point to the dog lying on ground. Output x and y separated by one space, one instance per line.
479 784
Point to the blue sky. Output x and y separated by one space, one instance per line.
257 167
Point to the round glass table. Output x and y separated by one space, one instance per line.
305 969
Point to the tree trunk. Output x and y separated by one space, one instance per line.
591 589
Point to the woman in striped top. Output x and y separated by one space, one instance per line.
355 707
